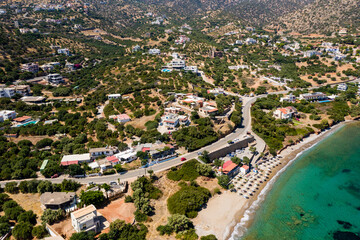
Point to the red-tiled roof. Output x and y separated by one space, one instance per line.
228 166
21 119
67 163
246 167
112 159
144 149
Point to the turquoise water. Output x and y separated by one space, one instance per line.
318 196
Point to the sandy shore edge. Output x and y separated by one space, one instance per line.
231 212
289 155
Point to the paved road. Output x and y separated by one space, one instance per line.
176 161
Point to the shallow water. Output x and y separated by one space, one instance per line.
318 196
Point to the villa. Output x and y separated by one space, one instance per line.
114 96
122 118
55 79
85 219
7 115
285 113
30 67
123 157
313 96
290 98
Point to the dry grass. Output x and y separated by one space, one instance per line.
29 201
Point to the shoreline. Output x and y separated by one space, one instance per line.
289 155
229 215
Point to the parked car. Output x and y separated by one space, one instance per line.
113 183
183 159
199 153
55 175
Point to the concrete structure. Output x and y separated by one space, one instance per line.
285 113
311 53
290 98
108 151
154 51
216 91
75 159
313 96
244 169
177 64
175 110
57 200
231 148
114 96
208 110
124 157
30 67
342 87
171 120
85 219
10 91
122 118
33 100
7 115
193 69
55 78
64 51
136 48
249 41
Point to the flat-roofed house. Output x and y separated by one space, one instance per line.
313 96
107 151
75 159
85 219
7 115
57 200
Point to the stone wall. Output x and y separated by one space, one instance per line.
231 148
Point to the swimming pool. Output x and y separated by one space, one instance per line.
324 101
27 123
166 70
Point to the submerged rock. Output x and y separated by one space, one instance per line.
346 225
339 235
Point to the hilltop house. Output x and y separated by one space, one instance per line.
55 79
30 67
85 219
285 113
114 96
7 115
290 98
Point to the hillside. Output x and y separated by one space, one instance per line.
323 16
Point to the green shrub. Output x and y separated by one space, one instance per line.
165 229
139 216
188 200
187 172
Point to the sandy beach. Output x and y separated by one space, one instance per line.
229 214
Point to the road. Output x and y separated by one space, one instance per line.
133 174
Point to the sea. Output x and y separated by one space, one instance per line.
316 197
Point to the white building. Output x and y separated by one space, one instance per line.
289 98
154 51
177 64
114 96
171 120
126 156
75 159
285 113
108 151
30 67
64 51
342 87
85 219
121 118
136 48
7 115
249 41
55 78
313 96
193 69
